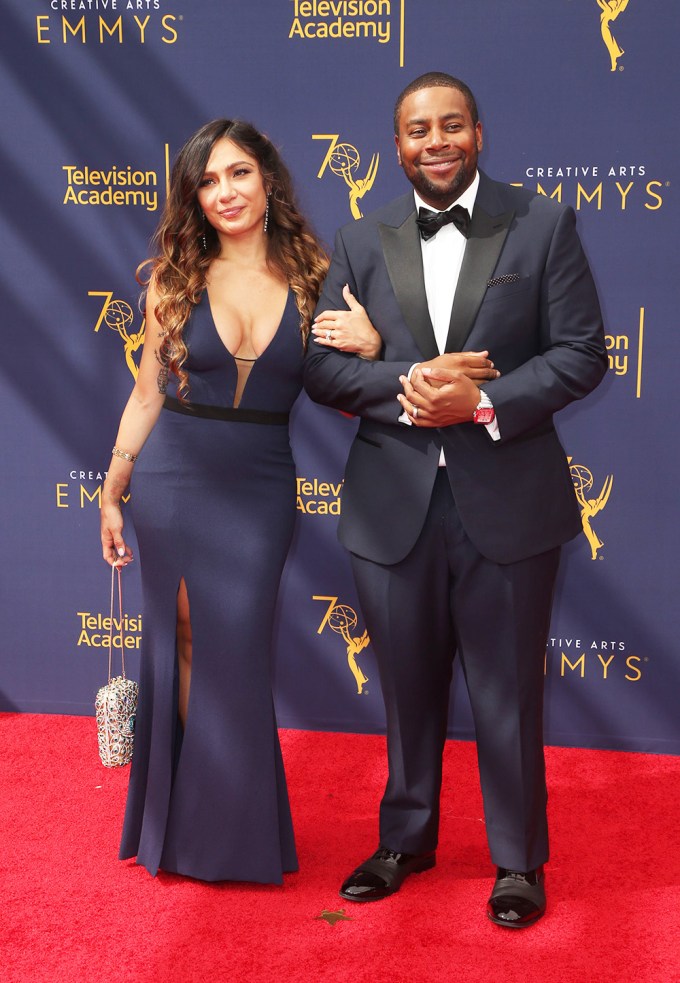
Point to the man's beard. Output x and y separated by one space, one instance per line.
436 193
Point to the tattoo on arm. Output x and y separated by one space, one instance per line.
162 378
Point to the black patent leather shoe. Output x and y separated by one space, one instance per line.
518 898
383 874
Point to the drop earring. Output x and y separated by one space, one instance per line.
266 215
202 238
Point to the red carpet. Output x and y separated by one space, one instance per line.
73 912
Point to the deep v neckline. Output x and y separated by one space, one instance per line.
245 367
269 343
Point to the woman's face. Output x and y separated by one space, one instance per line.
232 193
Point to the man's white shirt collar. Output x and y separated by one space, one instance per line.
466 200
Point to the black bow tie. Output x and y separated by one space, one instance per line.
430 222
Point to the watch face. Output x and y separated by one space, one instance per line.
485 414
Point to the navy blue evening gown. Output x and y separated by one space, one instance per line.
213 502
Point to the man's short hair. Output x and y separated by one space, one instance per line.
433 80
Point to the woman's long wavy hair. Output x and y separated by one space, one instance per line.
181 264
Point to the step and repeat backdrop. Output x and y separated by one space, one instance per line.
578 99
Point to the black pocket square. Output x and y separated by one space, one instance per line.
496 281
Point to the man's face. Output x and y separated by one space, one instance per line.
437 144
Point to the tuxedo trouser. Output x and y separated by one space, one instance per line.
444 599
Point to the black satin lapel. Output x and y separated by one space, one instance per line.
487 235
404 261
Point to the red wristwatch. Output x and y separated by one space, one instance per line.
484 412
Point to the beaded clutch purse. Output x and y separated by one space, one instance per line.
116 703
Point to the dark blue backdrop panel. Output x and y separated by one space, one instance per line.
98 96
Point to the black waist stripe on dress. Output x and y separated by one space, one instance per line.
232 414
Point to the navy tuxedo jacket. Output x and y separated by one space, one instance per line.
526 295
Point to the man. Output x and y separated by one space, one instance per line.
457 498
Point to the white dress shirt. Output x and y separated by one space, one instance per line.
442 261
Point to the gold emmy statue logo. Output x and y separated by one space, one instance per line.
341 618
610 11
344 161
582 479
119 316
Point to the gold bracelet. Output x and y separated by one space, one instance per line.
124 454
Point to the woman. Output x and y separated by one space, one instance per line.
229 308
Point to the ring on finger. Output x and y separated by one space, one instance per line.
415 411
329 334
